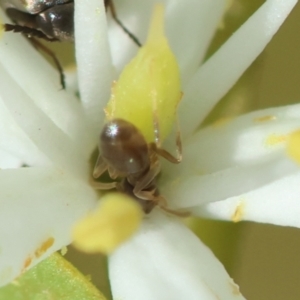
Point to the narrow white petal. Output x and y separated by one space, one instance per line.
14 140
50 140
166 261
277 203
93 57
196 190
190 28
135 16
250 138
222 70
243 154
8 161
188 40
40 81
38 208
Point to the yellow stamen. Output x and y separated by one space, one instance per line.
148 89
115 220
293 146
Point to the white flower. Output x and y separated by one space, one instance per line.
228 172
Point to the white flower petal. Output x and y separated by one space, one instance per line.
188 40
166 261
223 69
55 144
243 154
277 203
40 81
38 208
197 190
250 138
135 16
189 29
14 140
95 72
7 160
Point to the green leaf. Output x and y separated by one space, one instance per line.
54 278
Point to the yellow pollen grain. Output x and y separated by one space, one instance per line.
16 282
44 247
265 119
64 250
275 139
26 264
293 146
116 219
238 214
235 288
98 11
37 253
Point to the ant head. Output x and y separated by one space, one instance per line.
123 147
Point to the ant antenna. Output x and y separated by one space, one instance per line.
34 33
39 45
110 4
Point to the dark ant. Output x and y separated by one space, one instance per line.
125 153
52 20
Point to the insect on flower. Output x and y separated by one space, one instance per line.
51 20
140 114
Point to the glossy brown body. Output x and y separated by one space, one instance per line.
125 154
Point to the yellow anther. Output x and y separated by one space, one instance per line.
293 146
266 118
148 89
116 219
239 212
275 139
222 122
1 28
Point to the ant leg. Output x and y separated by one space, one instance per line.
182 214
100 167
110 4
166 154
103 185
30 33
145 182
161 202
39 45
113 173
